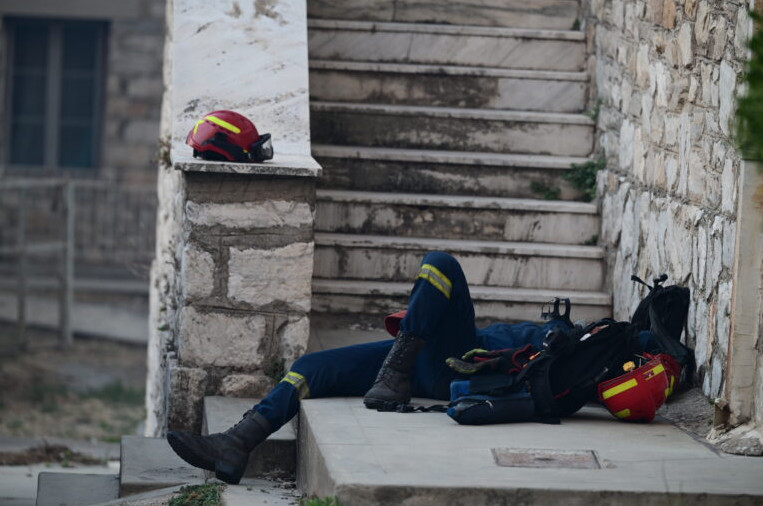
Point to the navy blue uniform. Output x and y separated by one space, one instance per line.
440 311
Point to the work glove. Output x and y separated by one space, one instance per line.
508 360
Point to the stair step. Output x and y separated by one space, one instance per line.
453 217
490 263
373 299
517 48
74 489
547 14
444 172
451 128
150 464
276 457
448 86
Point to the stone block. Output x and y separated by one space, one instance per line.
717 43
727 90
63 489
703 23
246 216
292 333
685 44
627 133
246 385
214 339
187 387
197 273
741 33
642 65
278 276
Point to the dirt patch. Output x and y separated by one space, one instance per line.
48 453
690 411
93 390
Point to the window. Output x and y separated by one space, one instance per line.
55 91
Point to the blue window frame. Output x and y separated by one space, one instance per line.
55 93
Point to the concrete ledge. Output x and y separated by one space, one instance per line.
282 165
364 457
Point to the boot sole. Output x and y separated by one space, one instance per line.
382 405
182 451
228 473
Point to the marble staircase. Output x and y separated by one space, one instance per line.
443 126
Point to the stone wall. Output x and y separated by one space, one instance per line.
231 282
132 85
134 95
666 75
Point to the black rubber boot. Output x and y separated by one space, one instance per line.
393 383
226 453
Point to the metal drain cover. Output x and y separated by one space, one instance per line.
568 459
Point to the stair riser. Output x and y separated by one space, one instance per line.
455 223
442 179
551 14
448 90
378 129
386 264
446 49
371 307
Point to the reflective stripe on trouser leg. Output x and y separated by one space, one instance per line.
440 311
347 372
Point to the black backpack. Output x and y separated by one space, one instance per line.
664 312
561 377
574 362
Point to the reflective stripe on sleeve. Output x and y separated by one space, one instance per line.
299 382
439 280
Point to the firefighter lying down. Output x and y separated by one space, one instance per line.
501 373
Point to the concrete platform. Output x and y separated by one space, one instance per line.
364 457
66 489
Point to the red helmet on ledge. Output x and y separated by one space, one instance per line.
636 396
228 135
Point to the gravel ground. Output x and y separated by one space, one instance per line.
93 390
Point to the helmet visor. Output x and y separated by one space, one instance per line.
262 149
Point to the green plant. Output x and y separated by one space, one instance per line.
208 494
544 190
276 369
320 501
592 241
593 112
749 116
583 177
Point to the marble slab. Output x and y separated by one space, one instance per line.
250 57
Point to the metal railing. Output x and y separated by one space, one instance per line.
49 226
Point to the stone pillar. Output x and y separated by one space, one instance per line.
231 284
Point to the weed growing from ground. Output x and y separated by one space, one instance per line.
320 501
583 177
208 494
546 191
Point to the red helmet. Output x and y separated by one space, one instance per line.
636 396
227 135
